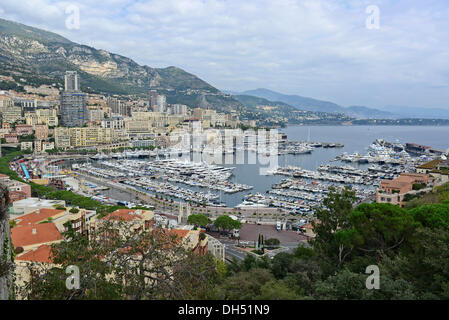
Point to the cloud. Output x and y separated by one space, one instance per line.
317 48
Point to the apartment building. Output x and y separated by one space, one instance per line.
77 221
32 243
135 221
43 146
62 138
60 219
29 237
73 102
38 216
37 146
90 136
198 113
129 220
3 132
117 107
95 114
41 131
17 190
115 123
153 100
173 120
394 191
161 102
82 137
5 102
32 204
47 146
438 168
11 138
26 145
24 129
135 125
179 109
47 117
12 114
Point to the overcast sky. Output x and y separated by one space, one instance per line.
316 48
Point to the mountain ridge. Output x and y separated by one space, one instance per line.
360 112
304 103
42 57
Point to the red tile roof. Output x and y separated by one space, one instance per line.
41 254
36 216
45 232
179 233
122 214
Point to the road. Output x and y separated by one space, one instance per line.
232 251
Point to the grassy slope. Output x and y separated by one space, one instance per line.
438 195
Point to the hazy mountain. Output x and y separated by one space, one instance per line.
34 56
360 112
281 113
413 112
302 103
310 104
252 102
369 113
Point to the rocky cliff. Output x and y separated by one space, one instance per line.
5 246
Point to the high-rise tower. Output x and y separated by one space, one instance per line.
72 81
153 100
73 102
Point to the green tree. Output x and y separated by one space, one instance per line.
227 223
281 263
198 220
347 285
432 216
49 284
426 266
332 217
277 290
304 272
381 227
245 285
125 265
272 242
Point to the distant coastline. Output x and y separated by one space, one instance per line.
379 122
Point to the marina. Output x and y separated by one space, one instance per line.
166 176
299 193
302 177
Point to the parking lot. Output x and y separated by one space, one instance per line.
250 232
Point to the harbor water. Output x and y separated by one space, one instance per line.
355 139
